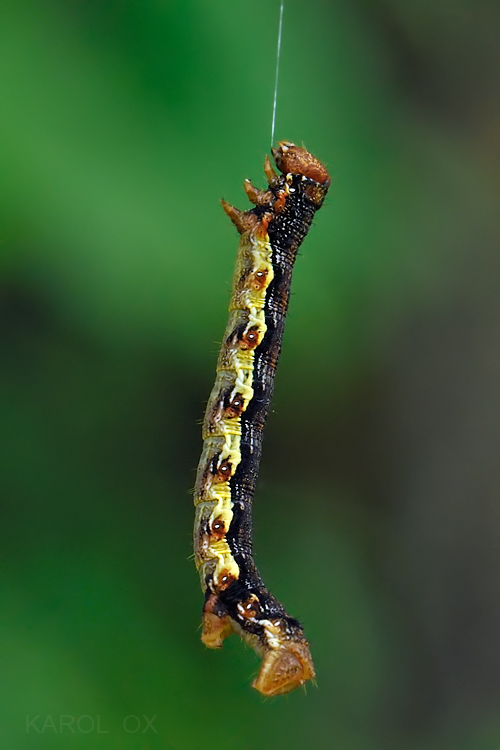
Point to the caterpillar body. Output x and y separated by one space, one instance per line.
236 599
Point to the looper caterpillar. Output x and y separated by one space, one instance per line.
236 599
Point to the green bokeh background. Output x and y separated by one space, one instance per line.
122 123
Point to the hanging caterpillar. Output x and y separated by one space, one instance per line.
236 599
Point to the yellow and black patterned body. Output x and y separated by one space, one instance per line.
236 597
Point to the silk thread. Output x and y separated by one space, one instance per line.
278 56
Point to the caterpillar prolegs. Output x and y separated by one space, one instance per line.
236 599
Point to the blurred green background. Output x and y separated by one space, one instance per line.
377 520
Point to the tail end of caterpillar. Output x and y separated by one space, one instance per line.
284 669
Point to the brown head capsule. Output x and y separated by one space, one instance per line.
292 159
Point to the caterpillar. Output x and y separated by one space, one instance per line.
236 599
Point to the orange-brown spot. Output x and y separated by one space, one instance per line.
260 279
235 406
224 580
250 338
218 529
223 471
279 203
250 607
261 230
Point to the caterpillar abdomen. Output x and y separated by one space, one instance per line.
236 599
